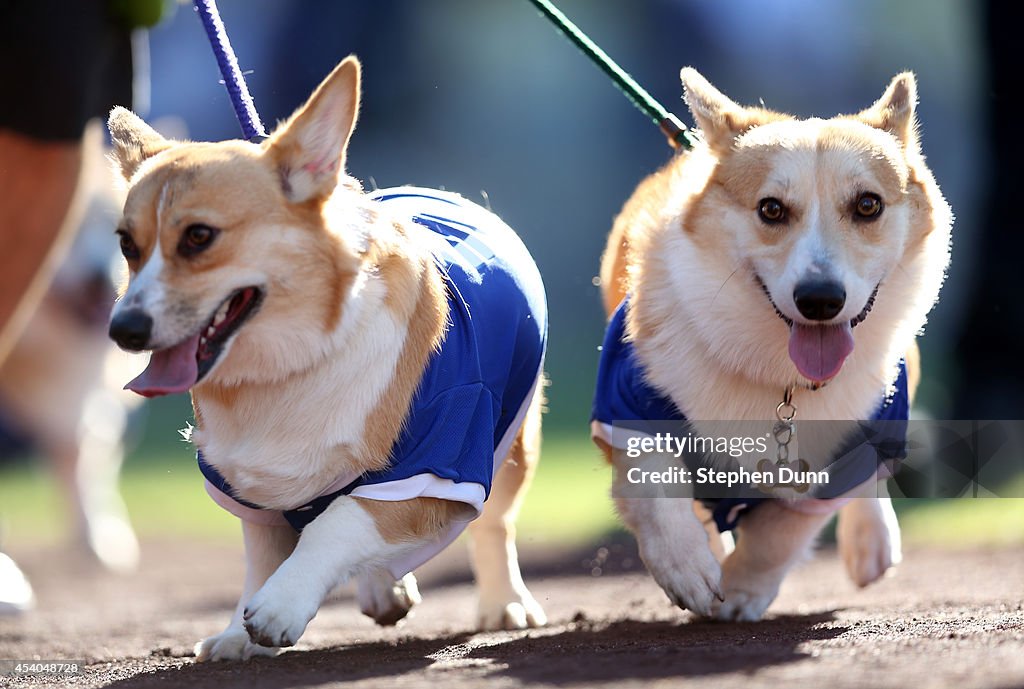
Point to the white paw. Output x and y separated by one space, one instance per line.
743 606
385 600
277 615
689 576
514 610
747 593
869 542
231 644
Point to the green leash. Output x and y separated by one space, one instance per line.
675 131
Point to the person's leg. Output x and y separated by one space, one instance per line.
38 180
71 63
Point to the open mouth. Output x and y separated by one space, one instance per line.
229 317
819 350
867 308
181 366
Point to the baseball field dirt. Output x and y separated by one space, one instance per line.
945 619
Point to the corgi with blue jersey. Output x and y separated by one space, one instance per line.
779 272
365 367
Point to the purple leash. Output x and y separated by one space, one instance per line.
234 82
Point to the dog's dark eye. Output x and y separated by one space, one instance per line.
868 207
771 211
196 238
129 249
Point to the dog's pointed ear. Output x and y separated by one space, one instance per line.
134 140
309 148
895 111
719 118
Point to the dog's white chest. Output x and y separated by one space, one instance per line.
291 440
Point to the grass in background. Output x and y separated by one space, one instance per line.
988 521
568 504
165 497
993 521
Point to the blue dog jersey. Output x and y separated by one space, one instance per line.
475 390
623 394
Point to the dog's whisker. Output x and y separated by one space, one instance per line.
723 286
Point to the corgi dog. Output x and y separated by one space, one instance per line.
362 365
782 264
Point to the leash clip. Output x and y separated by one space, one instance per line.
785 428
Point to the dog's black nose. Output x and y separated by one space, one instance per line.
131 329
819 300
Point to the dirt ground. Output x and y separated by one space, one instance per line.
945 620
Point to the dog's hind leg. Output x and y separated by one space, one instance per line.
869 536
505 602
385 600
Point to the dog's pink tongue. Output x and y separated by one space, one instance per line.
820 350
170 370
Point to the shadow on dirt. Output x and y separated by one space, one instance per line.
630 650
583 652
303 668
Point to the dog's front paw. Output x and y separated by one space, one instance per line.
689 577
277 617
743 606
746 592
869 540
231 644
516 610
385 600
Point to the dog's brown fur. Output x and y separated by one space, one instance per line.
717 348
353 308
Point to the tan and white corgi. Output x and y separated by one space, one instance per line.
779 256
361 365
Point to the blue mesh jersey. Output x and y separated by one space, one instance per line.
474 392
623 394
